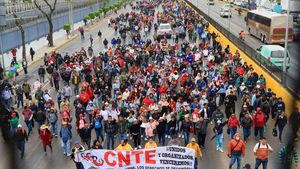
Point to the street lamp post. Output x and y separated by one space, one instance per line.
70 5
286 42
229 16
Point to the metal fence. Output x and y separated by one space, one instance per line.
275 72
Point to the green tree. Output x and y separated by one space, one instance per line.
48 16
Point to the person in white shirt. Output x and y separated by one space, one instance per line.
261 151
76 150
37 84
125 94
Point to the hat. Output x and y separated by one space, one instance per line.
244 106
193 139
106 103
44 127
19 126
219 121
150 118
77 96
76 142
243 84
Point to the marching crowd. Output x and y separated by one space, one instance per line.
149 88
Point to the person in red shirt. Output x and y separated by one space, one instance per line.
148 100
233 123
259 121
236 150
46 137
27 116
14 54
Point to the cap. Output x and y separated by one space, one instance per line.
19 126
193 139
44 127
76 142
219 121
150 118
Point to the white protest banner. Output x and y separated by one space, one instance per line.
156 158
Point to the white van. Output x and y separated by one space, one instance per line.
225 11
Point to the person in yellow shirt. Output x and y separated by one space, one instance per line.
193 145
124 146
151 143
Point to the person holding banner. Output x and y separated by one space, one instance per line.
110 129
124 146
151 143
75 155
193 145
97 144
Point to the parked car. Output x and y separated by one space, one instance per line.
210 2
244 5
164 28
237 2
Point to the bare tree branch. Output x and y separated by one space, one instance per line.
40 8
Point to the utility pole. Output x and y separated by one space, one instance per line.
2 24
70 5
286 44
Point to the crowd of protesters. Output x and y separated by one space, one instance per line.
148 88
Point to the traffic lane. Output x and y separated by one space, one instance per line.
236 23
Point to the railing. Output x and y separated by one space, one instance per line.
275 72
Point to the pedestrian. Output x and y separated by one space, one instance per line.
46 137
76 79
52 119
13 121
99 34
151 143
26 88
150 128
75 155
201 131
122 128
66 136
124 146
7 97
32 53
185 127
81 31
110 129
135 131
218 130
20 137
27 116
246 123
20 96
97 145
25 66
91 40
161 131
174 141
236 150
56 78
259 121
198 154
281 122
42 72
40 117
294 122
14 54
85 134
261 151
105 43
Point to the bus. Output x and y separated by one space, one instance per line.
269 26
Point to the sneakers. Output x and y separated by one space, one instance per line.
135 148
68 155
217 149
145 139
140 147
168 136
221 151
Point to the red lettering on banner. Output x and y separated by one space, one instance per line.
148 155
137 155
124 159
106 155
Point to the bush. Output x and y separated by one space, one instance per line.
92 15
97 14
67 27
87 17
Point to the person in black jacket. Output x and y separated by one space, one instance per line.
20 137
85 134
172 126
135 131
110 129
201 130
186 125
281 121
161 131
295 122
246 123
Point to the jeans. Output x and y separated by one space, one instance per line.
21 147
196 163
246 132
186 138
20 101
162 139
76 89
136 140
238 159
29 125
259 130
122 136
233 131
219 141
54 128
280 129
79 165
87 141
99 134
263 162
110 139
66 147
42 78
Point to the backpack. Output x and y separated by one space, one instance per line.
259 145
97 124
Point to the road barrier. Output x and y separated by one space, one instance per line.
273 76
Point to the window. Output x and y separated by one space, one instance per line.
277 54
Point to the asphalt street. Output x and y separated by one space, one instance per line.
35 158
237 23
